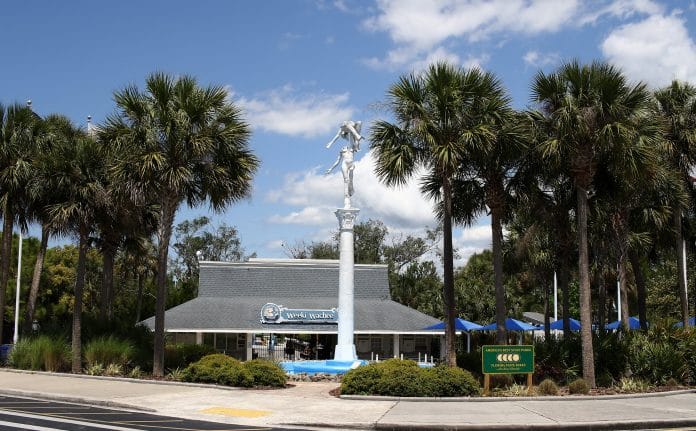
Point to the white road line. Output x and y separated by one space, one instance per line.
27 427
67 421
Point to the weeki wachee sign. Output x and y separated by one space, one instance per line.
272 313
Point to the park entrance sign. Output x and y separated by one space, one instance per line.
507 360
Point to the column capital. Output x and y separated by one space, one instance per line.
346 217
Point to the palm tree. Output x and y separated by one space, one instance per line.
56 131
591 110
436 121
677 104
18 129
76 175
180 143
488 174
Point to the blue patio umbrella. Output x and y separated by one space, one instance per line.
558 324
692 322
511 325
460 325
633 323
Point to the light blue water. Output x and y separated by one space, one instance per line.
328 366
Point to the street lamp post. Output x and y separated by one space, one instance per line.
19 272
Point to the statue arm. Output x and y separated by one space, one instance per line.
338 160
335 138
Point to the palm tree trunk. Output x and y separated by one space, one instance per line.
624 294
77 309
500 311
680 267
5 252
588 371
35 280
448 275
164 233
640 287
107 295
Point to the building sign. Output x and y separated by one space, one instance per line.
272 313
507 359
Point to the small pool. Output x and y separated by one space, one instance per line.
313 367
329 366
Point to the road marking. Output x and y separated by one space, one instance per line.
26 426
5 403
48 417
245 413
153 421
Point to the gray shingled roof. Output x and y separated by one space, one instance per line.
231 296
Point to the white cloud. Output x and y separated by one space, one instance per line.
655 50
537 59
420 28
288 112
402 208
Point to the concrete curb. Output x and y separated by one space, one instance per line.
499 399
577 426
76 400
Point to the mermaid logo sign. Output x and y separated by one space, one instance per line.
272 313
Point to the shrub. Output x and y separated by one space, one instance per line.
266 373
41 353
181 355
135 373
404 378
451 382
220 369
629 384
579 386
113 370
656 359
96 369
106 351
547 387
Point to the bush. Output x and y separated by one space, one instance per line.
181 355
107 351
451 382
579 386
404 378
220 369
656 359
266 373
41 353
547 387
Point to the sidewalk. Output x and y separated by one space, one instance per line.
311 405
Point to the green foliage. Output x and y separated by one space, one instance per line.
220 369
633 384
547 387
579 386
181 355
657 356
107 351
266 373
557 358
95 370
404 378
41 353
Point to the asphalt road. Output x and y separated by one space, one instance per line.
19 413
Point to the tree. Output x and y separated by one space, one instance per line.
590 109
76 175
432 130
677 105
18 129
181 143
486 178
57 131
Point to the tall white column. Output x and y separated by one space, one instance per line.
396 348
345 349
199 338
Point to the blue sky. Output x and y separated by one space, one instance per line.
299 68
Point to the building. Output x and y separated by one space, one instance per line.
299 299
